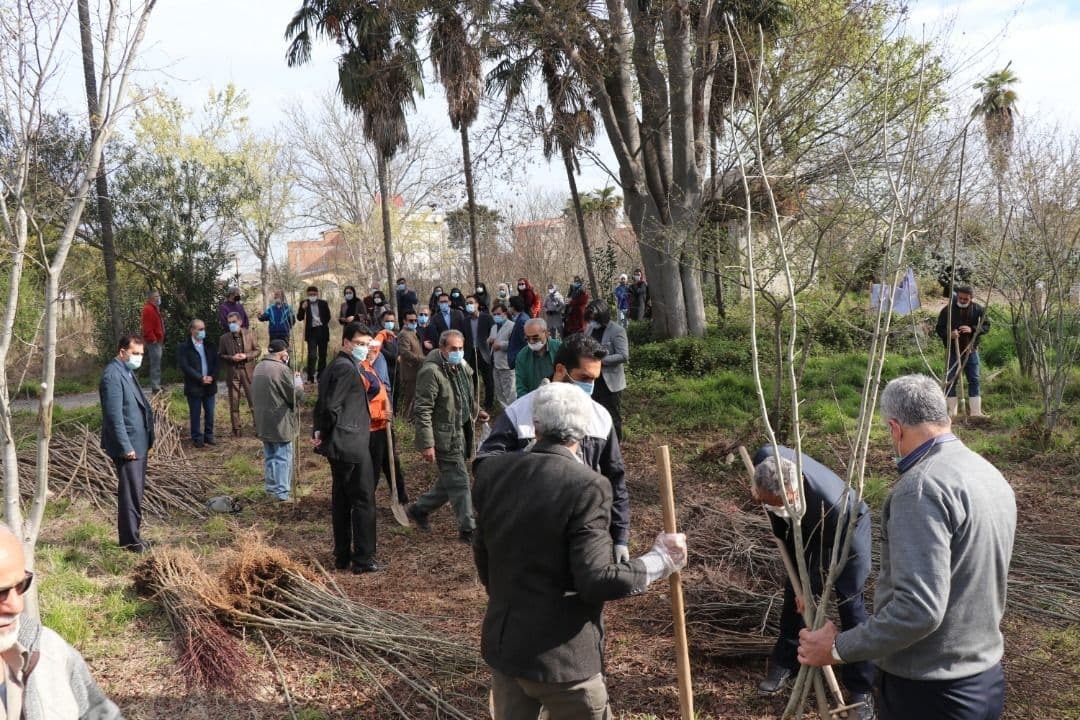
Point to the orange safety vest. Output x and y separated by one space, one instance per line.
379 406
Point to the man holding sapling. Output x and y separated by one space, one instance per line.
969 323
947 537
827 511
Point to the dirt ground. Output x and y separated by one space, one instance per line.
432 575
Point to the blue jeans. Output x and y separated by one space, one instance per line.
277 459
971 372
200 407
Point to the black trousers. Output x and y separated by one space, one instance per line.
979 697
611 402
380 462
317 341
486 373
352 502
131 483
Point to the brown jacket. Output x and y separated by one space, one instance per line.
228 346
410 353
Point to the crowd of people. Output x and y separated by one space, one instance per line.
547 514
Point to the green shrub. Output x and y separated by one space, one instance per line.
692 356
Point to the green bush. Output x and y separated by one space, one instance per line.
639 332
693 356
997 347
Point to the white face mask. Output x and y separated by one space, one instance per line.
536 347
963 304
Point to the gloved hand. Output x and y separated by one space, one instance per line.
671 547
622 554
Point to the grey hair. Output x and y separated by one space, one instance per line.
913 400
766 479
536 322
447 334
561 413
191 325
233 315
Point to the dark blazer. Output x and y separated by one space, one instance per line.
304 315
437 325
825 517
483 329
190 364
543 551
127 422
341 412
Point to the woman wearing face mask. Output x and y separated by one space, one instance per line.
457 299
529 297
375 304
503 293
574 316
483 297
352 310
639 297
553 311
433 301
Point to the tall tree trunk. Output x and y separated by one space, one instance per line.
693 299
388 241
474 243
104 204
579 214
718 278
264 274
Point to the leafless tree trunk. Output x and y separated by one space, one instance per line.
388 242
579 216
474 244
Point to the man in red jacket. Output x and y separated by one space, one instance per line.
153 332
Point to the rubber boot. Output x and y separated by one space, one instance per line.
975 404
953 404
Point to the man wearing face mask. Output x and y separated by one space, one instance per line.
406 297
445 317
612 381
386 336
622 300
239 349
197 359
342 430
578 361
477 350
640 304
153 332
411 356
969 324
948 527
499 340
574 314
127 434
443 415
826 512
535 362
554 305
277 393
281 318
231 304
315 314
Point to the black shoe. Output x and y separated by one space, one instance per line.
198 443
777 679
368 567
209 441
418 517
140 547
465 537
866 711
341 564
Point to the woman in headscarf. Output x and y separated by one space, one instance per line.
457 299
483 297
433 301
529 297
352 310
502 295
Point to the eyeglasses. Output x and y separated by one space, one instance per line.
20 587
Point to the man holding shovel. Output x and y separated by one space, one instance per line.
960 325
827 505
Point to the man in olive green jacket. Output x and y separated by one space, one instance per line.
443 412
277 393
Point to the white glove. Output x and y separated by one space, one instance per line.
622 554
671 547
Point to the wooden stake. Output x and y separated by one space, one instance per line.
678 613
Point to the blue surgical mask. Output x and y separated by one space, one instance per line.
445 307
158 302
500 319
234 327
455 357
349 296
411 326
388 326
586 387
470 308
201 334
401 287
134 362
424 319
360 352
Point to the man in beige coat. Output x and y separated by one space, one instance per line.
411 356
277 392
240 350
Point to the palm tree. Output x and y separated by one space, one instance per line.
379 76
456 58
995 107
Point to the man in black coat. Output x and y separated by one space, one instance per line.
443 318
544 553
479 322
197 359
315 314
969 323
828 505
342 427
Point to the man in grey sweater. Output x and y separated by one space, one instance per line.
947 538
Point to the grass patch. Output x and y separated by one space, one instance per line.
242 468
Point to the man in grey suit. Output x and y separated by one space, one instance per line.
127 434
612 380
544 552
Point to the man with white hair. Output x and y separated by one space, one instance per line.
827 506
536 361
44 677
543 552
947 538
